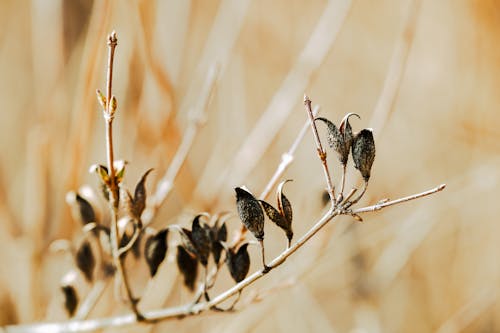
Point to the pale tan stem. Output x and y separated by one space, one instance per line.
321 151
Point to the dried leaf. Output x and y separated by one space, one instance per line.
139 202
363 152
70 299
250 212
200 237
87 213
155 250
238 263
188 266
85 260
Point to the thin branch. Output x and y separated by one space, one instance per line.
113 183
321 151
379 206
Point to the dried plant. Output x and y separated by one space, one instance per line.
105 244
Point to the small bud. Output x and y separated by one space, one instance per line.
250 212
238 263
363 152
70 299
188 266
113 105
101 99
85 260
101 171
155 250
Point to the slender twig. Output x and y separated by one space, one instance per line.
113 183
342 183
321 151
379 206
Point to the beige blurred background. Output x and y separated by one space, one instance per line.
423 74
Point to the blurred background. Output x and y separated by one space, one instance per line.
423 74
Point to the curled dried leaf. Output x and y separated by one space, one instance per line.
363 152
284 205
85 260
188 266
139 201
155 250
238 263
70 299
250 212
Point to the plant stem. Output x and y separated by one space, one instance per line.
113 184
321 151
398 201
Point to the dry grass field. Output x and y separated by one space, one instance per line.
425 75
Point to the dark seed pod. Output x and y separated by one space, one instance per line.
250 212
155 250
363 152
335 139
238 263
85 260
340 139
87 214
274 215
70 299
201 240
188 266
218 235
137 205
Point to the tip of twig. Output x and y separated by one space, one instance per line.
112 38
441 187
306 99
